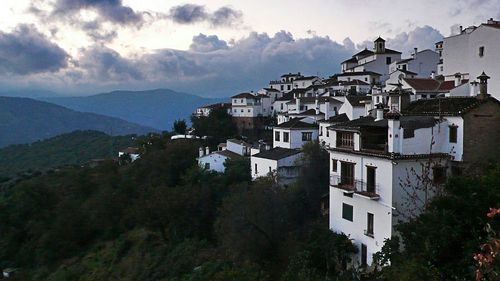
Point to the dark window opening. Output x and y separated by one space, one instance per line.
439 175
345 139
388 60
370 179
364 255
286 136
369 224
334 165
346 173
453 134
481 51
347 212
277 136
307 136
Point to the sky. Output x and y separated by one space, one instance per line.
212 48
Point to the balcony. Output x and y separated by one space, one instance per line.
359 187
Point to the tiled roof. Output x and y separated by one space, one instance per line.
390 51
291 74
337 118
404 71
357 100
241 142
229 154
296 123
430 85
277 153
306 78
409 123
244 95
364 53
271 90
351 60
379 39
404 61
354 82
358 73
449 106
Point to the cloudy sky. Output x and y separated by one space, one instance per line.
211 48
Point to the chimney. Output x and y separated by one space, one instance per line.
327 109
380 112
207 150
461 29
394 136
473 88
297 104
316 105
415 51
483 85
433 75
458 79
201 152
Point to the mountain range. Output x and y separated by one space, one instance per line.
24 120
153 108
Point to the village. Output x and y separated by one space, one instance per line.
395 128
389 123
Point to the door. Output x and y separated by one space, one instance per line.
370 179
347 173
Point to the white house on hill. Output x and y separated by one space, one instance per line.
284 163
294 134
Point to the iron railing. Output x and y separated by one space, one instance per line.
352 185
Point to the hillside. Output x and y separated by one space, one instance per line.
24 120
68 149
154 108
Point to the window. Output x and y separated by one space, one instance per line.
347 173
481 51
439 175
270 171
282 87
345 139
207 166
307 136
286 136
369 224
327 133
347 211
288 87
277 136
281 106
453 134
370 179
366 79
241 101
364 255
248 110
388 60
404 66
255 168
334 165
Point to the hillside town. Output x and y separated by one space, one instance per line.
389 123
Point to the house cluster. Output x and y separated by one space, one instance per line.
389 124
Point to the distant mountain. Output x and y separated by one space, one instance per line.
154 108
30 93
24 120
68 149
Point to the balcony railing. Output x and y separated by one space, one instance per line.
350 185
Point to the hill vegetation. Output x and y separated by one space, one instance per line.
74 148
154 108
163 218
24 120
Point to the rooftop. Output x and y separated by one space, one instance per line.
336 119
277 153
431 85
296 123
244 95
358 73
449 106
355 100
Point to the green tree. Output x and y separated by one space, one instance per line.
180 127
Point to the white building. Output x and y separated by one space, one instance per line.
132 152
473 51
375 162
281 162
232 149
324 133
204 111
250 105
377 61
422 63
285 84
294 134
305 82
355 106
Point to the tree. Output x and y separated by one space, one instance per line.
218 125
180 127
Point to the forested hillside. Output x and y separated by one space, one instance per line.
163 218
67 149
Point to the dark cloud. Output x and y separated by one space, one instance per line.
188 13
226 16
103 64
204 43
97 32
109 10
192 13
420 37
27 51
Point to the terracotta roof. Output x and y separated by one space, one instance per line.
296 123
277 153
244 95
449 106
430 85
